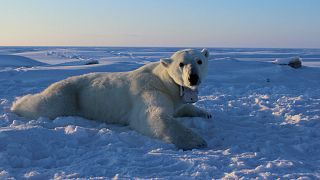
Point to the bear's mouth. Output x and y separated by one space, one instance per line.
194 87
192 82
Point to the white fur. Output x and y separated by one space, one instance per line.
146 99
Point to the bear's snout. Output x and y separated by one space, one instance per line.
193 79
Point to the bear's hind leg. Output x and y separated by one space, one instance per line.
59 99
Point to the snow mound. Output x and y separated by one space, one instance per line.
18 61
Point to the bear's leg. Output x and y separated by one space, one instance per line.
59 99
190 110
155 118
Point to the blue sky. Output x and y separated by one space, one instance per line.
194 23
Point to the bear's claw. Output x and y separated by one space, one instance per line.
206 115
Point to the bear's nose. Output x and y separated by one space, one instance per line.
193 79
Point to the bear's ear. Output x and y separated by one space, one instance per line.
165 61
205 52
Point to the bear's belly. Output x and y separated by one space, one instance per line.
109 103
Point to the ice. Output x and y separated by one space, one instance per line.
265 124
286 61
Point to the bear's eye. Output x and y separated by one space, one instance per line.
199 62
181 64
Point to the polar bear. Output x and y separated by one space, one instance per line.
148 99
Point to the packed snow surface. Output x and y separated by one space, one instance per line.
266 119
17 61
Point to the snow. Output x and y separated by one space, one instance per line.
266 119
18 61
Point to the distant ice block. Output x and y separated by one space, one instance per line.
294 62
79 63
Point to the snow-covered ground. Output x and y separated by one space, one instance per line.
266 119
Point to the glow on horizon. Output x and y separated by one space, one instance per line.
192 23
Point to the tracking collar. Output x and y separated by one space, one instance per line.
188 95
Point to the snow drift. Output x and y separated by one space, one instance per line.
18 61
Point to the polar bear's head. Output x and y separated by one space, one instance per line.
187 67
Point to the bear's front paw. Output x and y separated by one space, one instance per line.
191 141
205 114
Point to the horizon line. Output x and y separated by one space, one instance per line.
198 47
